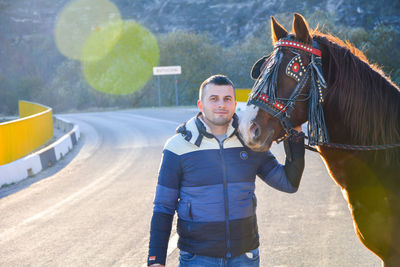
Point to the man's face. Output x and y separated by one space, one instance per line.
218 104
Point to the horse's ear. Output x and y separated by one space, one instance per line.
300 29
277 30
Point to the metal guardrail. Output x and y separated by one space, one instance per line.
34 163
21 136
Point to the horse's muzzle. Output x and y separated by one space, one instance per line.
259 139
254 131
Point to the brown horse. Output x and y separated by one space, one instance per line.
318 78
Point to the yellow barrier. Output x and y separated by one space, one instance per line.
242 95
22 136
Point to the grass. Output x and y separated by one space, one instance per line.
6 185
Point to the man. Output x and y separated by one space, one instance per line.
208 176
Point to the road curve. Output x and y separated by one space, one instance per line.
94 207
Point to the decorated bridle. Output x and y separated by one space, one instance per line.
264 95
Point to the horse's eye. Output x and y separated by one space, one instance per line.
270 63
271 60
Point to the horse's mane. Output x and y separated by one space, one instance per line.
368 101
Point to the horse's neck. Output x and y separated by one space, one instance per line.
361 105
338 131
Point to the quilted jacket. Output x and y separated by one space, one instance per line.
210 184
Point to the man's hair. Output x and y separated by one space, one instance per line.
217 80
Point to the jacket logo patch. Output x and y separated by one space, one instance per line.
152 258
243 155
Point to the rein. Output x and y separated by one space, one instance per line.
353 147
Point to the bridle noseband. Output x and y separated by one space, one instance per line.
264 95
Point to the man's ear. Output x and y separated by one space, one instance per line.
200 105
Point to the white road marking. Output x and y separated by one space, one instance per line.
113 172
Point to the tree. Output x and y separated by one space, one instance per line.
198 57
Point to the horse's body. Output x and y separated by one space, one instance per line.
361 107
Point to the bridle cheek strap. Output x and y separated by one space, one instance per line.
279 110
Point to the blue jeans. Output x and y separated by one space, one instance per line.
249 259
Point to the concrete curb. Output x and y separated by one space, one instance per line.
32 164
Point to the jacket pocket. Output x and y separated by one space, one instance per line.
186 256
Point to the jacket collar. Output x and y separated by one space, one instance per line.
195 129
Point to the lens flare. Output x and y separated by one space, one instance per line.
128 66
87 30
101 41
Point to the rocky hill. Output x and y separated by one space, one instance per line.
226 21
31 65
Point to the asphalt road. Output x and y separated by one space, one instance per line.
94 207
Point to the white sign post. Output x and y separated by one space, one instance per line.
167 70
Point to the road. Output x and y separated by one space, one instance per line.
94 207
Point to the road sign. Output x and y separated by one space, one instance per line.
167 70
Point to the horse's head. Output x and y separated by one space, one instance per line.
287 82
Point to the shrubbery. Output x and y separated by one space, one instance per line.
63 87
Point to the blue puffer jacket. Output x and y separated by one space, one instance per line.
211 186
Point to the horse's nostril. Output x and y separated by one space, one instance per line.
254 130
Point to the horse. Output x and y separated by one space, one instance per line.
352 110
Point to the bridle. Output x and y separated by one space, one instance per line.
264 96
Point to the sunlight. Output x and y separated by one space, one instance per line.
128 66
87 30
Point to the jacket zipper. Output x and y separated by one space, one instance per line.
228 234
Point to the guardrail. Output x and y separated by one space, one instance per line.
22 136
32 164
